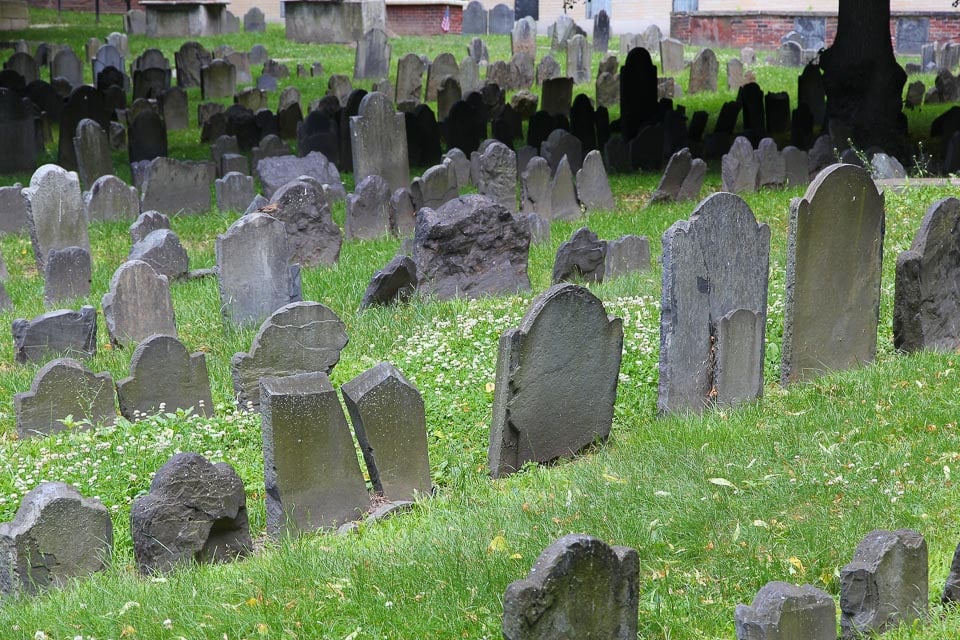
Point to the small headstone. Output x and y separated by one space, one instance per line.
276 171
563 194
547 69
535 189
791 54
57 332
162 250
734 74
175 187
739 167
218 80
601 31
64 388
885 166
138 304
410 70
501 19
368 210
254 21
304 208
146 222
448 93
474 18
67 65
671 56
13 209
771 170
593 188
579 587
703 72
782 611
147 137
542 408
55 212
497 175
66 275
581 258
436 187
395 283
312 477
678 167
110 198
796 166
234 191
164 376
92 147
195 512
627 254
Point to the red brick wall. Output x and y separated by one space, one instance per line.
752 28
422 19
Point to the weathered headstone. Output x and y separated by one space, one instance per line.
795 164
579 59
563 193
174 186
379 140
147 222
311 473
162 250
739 167
173 104
593 188
715 274
579 587
67 65
581 258
782 611
539 379
368 210
138 304
500 19
535 188
164 376
372 60
304 208
410 69
833 274
474 18
671 55
771 167
66 274
678 167
63 388
57 332
437 186
218 80
55 212
147 137
13 209
254 21
276 171
110 198
234 191
195 512
497 175
523 36
92 148
448 93
395 283
442 66
703 72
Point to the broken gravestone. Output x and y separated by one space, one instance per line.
551 399
162 250
782 611
63 388
626 254
164 376
582 257
396 282
56 332
304 208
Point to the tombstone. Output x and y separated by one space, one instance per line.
173 105
234 191
886 167
739 167
120 42
250 291
66 274
56 536
164 376
67 65
259 55
562 144
312 235
402 213
502 74
915 93
448 93
469 77
276 171
146 223
25 65
436 187
833 277
638 93
671 55
885 585
388 418
368 215
627 254
772 169
410 69
734 74
340 86
703 72
372 58
563 195
582 258
17 133
925 314
474 19
55 212
541 409
64 388
678 168
601 31
56 332
782 610
319 133
795 167
469 247
395 283
108 56
547 69
254 21
523 37
161 249
379 140
500 19
218 80
442 66
174 186
497 175
195 512
189 59
138 304
92 149
715 270
593 188
790 54
13 210
147 137
579 59
150 83
535 188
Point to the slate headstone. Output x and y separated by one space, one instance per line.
781 611
410 70
164 376
474 18
92 148
626 254
55 212
56 332
175 187
581 258
593 187
67 274
739 167
395 283
312 235
379 139
497 176
234 191
671 55
368 210
110 198
138 304
147 222
563 193
501 19
372 59
162 250
62 388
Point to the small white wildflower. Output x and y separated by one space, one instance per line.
168 624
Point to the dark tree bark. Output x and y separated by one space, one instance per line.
862 80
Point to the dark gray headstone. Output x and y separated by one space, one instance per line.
162 250
581 258
92 147
147 222
579 59
174 186
497 175
556 96
379 138
791 54
173 103
442 66
782 611
56 536
138 304
714 264
303 207
368 210
739 167
560 144
593 188
254 21
703 72
474 18
771 169
311 473
218 80
547 69
627 254
601 31
13 210
551 402
436 187
195 512
410 70
56 332
110 198
164 376
234 191
835 246
501 19
67 65
563 193
885 585
63 388
388 418
395 283
276 171
372 60
403 215
579 587
55 212
795 164
448 93
66 275
678 167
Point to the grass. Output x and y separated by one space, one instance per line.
716 505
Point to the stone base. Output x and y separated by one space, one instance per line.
183 19
14 15
324 22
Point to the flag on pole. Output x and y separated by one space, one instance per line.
445 21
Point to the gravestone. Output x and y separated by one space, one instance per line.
601 31
372 60
389 421
56 536
782 611
474 19
67 65
442 66
18 132
254 21
563 193
66 274
234 191
252 290
161 249
379 139
581 258
146 223
678 168
638 93
579 59
470 247
147 137
593 188
195 512
795 166
790 54
671 55
138 304
523 37
189 59
24 64
150 83
469 76
739 167
500 19
312 477
715 272
926 308
885 585
174 106
319 334
403 215
703 72
771 169
410 70
497 175
535 194
437 186
56 332
55 212
13 209
562 144
63 388
448 94
608 89
312 235
551 402
174 186
218 80
579 587
626 254
833 275
368 210
164 376
92 148
547 69
395 283
110 198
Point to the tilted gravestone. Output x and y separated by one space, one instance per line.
303 207
162 250
195 512
436 187
110 198
164 376
64 388
582 257
403 215
147 222
551 401
372 60
277 170
138 304
66 274
497 175
368 210
189 59
56 536
714 307
626 254
379 139
174 186
92 148
389 420
317 332
312 477
396 282
885 585
55 212
593 188
251 290
470 247
926 307
678 168
56 332
782 611
579 587
835 248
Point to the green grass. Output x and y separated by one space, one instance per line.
806 472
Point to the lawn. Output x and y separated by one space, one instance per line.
716 505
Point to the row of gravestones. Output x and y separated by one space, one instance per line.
135 21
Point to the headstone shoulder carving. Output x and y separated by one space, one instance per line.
164 376
62 388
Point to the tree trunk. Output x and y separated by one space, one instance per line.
863 81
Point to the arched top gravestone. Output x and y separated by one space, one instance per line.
379 142
138 304
164 376
62 388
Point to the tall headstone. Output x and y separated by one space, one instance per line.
372 60
138 304
671 55
523 36
579 59
601 31
703 72
55 212
164 376
92 148
379 139
62 388
410 70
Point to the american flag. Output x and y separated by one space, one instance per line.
445 21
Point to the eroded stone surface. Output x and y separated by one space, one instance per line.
165 377
62 388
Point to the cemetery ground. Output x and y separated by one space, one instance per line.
716 505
